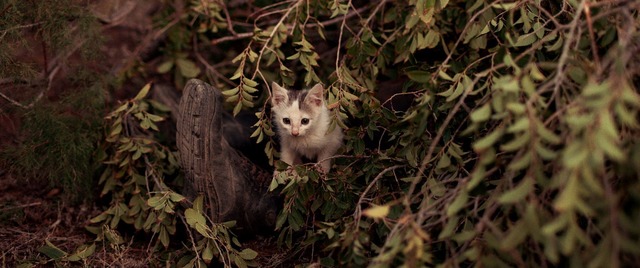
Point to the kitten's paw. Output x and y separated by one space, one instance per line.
324 167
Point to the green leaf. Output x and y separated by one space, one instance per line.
248 254
458 203
521 162
273 185
574 154
187 68
194 217
164 237
155 201
83 252
517 234
518 193
154 118
101 217
237 108
517 143
239 261
176 198
460 88
198 204
207 254
516 108
419 76
526 39
546 134
488 140
476 177
481 114
449 228
609 146
544 152
555 46
249 82
444 162
535 73
165 66
464 236
521 124
445 76
377 212
595 90
143 92
626 116
51 251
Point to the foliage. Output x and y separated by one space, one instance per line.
58 137
45 27
136 181
59 145
490 133
519 146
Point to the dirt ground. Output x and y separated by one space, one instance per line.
31 214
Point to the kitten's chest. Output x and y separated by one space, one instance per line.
309 146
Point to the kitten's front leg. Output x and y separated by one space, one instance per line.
324 160
289 156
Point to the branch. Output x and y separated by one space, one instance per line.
266 42
594 47
38 97
4 32
344 19
335 20
559 77
373 14
231 38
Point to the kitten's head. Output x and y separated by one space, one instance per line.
296 111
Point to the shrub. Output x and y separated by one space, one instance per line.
519 146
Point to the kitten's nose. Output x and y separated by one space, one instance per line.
295 133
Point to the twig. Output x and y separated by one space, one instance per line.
559 75
266 43
193 240
231 38
4 32
356 214
344 19
228 17
207 65
462 36
20 206
238 36
594 48
373 14
38 97
439 135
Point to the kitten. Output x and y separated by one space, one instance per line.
303 121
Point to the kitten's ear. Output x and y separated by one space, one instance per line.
278 94
315 95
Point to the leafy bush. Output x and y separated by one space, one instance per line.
519 146
136 182
485 133
57 141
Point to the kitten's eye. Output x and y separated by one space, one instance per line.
305 121
286 121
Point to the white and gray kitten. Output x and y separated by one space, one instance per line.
303 122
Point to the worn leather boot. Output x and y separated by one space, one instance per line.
234 188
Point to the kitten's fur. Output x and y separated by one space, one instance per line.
303 121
